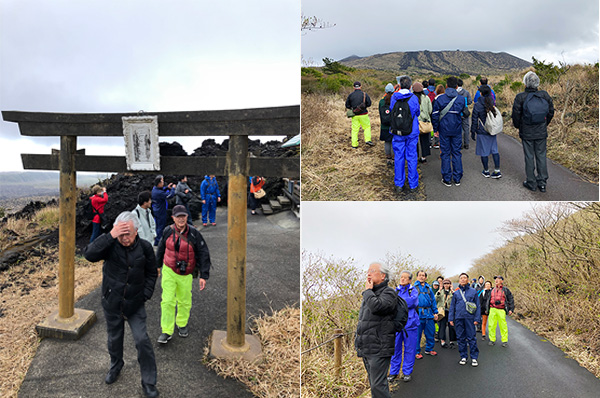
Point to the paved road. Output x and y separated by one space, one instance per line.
562 183
77 369
528 367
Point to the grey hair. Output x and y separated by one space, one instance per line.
383 270
410 275
404 82
531 80
127 216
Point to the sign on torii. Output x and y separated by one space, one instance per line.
69 322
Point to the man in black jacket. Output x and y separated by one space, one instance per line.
128 278
359 101
375 333
531 113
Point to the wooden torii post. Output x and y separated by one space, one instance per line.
69 322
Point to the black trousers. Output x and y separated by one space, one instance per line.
442 330
115 328
535 160
377 369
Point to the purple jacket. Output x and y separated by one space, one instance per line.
410 294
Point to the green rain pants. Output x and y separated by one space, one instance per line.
357 122
497 317
176 292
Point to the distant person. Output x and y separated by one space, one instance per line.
436 286
183 195
359 101
405 109
480 282
484 83
375 332
256 184
447 120
487 144
385 115
160 195
128 279
532 112
425 126
427 310
147 229
210 194
501 303
484 301
425 85
440 280
443 300
465 314
98 200
465 120
181 253
406 342
432 89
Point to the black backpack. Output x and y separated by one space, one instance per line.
402 120
401 316
535 109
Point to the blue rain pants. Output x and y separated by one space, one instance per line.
410 341
427 325
209 209
405 149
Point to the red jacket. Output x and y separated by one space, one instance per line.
98 203
255 188
185 252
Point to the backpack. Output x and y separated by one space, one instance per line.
535 109
493 124
402 120
401 316
88 210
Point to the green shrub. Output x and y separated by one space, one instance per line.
517 87
464 76
548 72
332 67
310 72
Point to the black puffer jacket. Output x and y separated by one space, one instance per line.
128 275
375 335
531 131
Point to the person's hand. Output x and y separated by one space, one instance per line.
158 269
202 283
510 313
219 199
186 191
119 229
435 317
204 202
369 284
104 189
452 323
475 323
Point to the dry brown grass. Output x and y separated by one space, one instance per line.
277 375
29 294
331 168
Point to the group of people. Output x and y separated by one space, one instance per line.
418 116
459 310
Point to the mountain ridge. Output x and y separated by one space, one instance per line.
440 62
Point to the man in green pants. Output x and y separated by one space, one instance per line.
359 101
501 303
183 251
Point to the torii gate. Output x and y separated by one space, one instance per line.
69 322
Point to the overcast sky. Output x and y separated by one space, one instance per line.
549 31
446 234
126 56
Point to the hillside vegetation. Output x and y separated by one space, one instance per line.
552 266
330 167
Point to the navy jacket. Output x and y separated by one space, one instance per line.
458 308
479 113
159 201
451 123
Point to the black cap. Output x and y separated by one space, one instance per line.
357 84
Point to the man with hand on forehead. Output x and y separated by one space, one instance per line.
128 278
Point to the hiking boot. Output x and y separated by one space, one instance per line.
457 183
214 224
542 188
423 160
164 338
497 174
483 337
205 224
474 363
505 344
492 343
370 143
407 378
446 183
451 345
466 146
419 356
112 375
149 390
462 361
391 378
485 173
390 163
432 353
183 331
444 345
354 147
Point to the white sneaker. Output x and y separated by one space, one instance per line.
474 362
463 361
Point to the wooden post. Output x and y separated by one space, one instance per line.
236 241
337 353
66 248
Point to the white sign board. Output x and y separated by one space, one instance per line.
141 142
